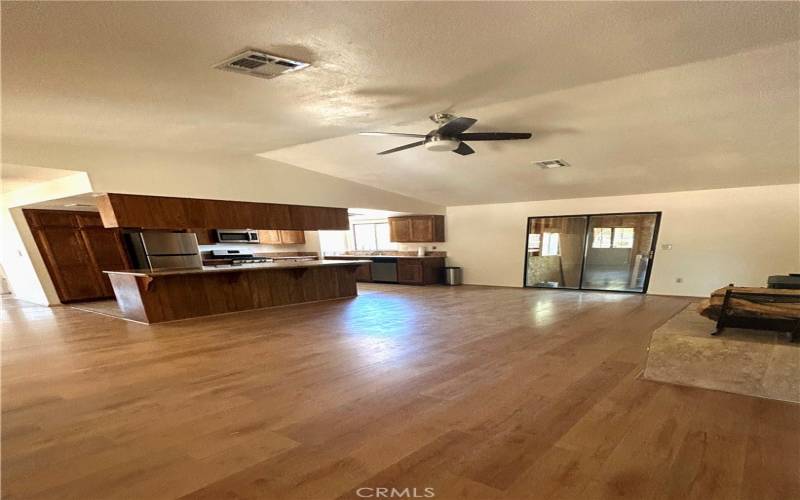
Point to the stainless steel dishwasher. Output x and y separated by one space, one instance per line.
384 269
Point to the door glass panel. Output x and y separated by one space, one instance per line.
555 252
618 251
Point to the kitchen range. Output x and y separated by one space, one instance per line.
234 257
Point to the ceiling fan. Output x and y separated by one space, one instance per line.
450 135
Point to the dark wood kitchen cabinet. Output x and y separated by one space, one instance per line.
76 248
364 273
409 271
163 212
204 236
416 229
423 271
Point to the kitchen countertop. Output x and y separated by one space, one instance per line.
238 268
361 257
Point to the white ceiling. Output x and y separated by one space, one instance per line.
639 97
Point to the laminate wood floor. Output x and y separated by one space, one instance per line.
479 393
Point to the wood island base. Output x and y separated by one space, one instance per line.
153 297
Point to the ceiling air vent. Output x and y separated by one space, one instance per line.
552 164
260 64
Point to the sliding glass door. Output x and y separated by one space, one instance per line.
555 252
591 252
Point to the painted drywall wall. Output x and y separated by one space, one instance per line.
739 235
21 272
20 257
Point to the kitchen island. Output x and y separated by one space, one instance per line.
150 296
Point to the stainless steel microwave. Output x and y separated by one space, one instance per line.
237 236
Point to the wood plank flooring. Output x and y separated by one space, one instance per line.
476 392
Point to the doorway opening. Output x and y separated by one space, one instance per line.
607 252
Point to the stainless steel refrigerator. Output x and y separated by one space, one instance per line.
164 250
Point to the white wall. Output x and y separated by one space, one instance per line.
21 260
739 235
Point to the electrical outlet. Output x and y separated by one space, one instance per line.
678 280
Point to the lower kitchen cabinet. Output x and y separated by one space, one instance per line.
76 248
364 273
410 271
423 271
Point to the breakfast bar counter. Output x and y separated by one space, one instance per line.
151 296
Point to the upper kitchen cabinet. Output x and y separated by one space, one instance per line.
292 237
416 229
162 212
275 237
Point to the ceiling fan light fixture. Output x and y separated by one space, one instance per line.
441 144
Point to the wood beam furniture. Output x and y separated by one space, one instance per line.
163 212
156 296
416 228
76 249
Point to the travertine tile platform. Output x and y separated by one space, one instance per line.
751 362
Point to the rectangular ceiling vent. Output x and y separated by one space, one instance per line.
260 64
552 164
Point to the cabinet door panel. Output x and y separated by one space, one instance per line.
364 272
422 229
46 218
293 237
89 219
399 229
409 271
105 247
269 237
68 262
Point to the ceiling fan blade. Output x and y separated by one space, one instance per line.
397 134
463 149
400 148
456 126
493 136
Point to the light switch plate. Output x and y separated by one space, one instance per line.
666 246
